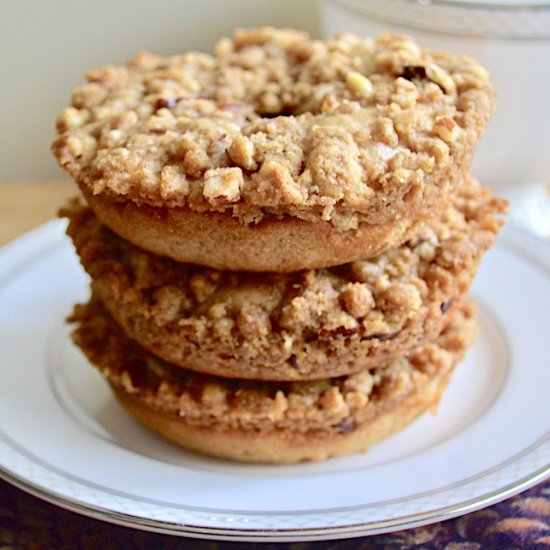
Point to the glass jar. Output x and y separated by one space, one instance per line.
511 39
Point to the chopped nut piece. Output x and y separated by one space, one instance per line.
222 185
356 399
479 72
402 295
441 77
242 151
357 299
71 118
168 301
214 396
280 406
81 146
217 311
253 321
113 138
359 84
276 184
410 49
337 320
174 186
446 128
223 327
423 70
333 401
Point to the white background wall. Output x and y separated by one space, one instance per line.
46 45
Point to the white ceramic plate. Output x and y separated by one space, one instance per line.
64 438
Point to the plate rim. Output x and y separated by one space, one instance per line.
351 530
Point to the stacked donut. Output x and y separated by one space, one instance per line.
280 238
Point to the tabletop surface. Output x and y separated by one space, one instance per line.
27 522
24 205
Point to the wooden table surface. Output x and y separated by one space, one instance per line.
27 204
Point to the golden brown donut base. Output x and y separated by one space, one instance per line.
280 447
272 422
220 241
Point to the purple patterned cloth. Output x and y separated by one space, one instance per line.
521 522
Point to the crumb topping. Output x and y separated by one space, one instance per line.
347 130
301 325
337 405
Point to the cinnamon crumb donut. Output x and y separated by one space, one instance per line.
307 325
276 422
284 140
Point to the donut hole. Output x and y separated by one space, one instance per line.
283 112
289 102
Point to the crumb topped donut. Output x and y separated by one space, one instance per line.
300 326
340 135
259 422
